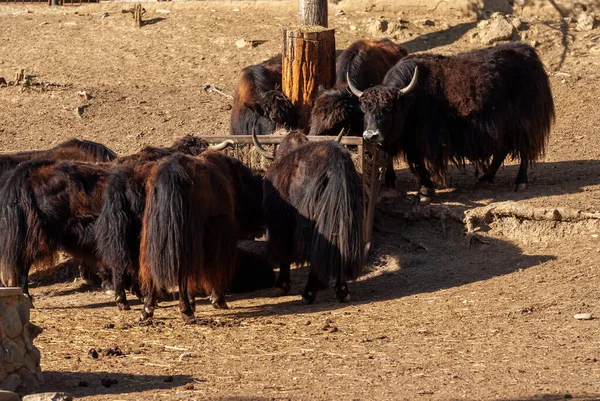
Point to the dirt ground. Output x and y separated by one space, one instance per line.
432 319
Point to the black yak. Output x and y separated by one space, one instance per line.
314 212
366 62
48 206
119 223
483 104
196 209
73 149
259 104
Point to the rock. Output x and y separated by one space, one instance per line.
108 382
583 316
378 26
517 23
3 81
497 29
11 322
240 43
48 397
11 382
8 396
586 21
353 27
535 43
24 312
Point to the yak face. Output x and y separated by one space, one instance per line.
190 145
276 107
333 110
382 107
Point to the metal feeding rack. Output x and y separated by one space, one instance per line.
370 161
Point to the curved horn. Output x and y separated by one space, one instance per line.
222 145
353 88
338 139
259 147
412 83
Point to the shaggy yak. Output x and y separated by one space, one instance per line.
48 206
73 149
365 62
313 210
480 105
259 104
196 209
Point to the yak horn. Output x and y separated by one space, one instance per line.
338 139
259 147
353 89
412 83
222 145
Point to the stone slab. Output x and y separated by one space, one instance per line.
10 291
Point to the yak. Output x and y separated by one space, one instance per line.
47 206
365 62
258 103
72 149
479 105
314 212
119 223
196 209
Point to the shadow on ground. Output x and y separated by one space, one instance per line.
72 382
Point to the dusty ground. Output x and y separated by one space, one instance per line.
431 320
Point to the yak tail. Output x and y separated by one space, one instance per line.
18 223
113 228
335 208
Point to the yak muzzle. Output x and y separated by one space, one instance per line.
372 136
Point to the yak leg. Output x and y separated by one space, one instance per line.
426 191
490 174
149 304
341 290
521 181
390 175
187 313
119 279
283 280
217 299
310 291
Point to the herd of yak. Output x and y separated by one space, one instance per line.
173 216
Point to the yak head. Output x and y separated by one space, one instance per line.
275 106
333 110
193 145
292 141
384 109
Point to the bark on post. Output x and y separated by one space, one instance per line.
308 62
313 12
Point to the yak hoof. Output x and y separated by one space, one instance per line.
188 319
220 305
282 291
520 187
424 200
308 298
123 306
147 313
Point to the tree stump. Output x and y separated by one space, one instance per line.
308 62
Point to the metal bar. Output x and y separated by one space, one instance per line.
276 139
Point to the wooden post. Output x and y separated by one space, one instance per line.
137 15
308 62
313 12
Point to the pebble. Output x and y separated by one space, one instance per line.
583 316
93 353
108 382
240 43
353 27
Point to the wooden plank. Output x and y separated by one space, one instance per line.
276 139
10 291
